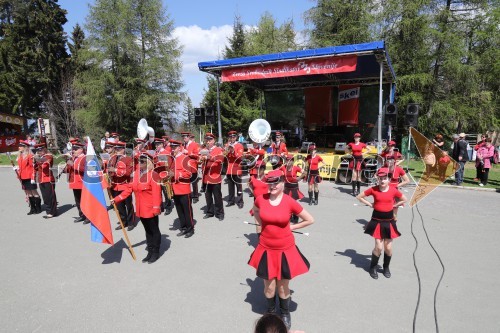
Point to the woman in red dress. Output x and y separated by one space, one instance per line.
147 192
382 226
391 150
276 258
25 170
356 149
313 161
397 176
292 181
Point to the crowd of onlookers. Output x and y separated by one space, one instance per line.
8 131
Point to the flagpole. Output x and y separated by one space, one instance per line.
123 228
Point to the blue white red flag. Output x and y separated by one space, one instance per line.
93 204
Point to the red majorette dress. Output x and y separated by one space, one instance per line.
291 182
357 154
276 255
313 170
382 224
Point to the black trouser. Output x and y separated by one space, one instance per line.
125 209
49 197
78 197
153 235
232 181
184 211
194 183
484 176
213 196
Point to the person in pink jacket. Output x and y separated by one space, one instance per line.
484 156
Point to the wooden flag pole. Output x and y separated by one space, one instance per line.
123 228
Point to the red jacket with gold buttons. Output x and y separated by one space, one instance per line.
180 181
76 170
212 167
123 167
26 168
43 172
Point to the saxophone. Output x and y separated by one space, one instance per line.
168 187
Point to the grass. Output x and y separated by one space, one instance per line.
4 159
469 175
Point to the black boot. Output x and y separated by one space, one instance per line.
387 261
373 267
38 205
353 183
316 195
32 205
358 184
285 312
310 198
150 253
155 254
271 304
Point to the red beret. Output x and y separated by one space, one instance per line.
278 134
382 172
140 140
357 135
185 134
312 147
273 176
40 146
159 140
119 144
231 133
115 134
23 143
146 155
391 143
209 136
175 143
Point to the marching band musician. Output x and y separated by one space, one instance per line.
180 177
279 148
161 164
110 150
44 162
147 192
258 153
290 172
233 174
313 161
115 137
119 169
212 167
139 148
391 151
75 168
356 149
192 150
26 171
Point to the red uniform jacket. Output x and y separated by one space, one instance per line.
180 181
192 150
213 166
76 172
26 168
147 194
259 155
123 169
43 171
234 159
279 149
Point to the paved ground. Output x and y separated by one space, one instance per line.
54 279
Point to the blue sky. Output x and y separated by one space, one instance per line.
202 27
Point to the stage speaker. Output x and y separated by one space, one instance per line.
411 117
199 116
210 115
391 114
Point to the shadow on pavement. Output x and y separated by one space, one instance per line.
363 222
255 297
343 190
114 253
357 259
252 239
63 209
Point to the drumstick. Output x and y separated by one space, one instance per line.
297 232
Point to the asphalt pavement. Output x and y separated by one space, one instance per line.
445 270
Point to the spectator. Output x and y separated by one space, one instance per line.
443 162
241 139
460 155
476 148
438 141
485 155
430 161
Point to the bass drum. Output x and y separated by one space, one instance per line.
369 169
344 173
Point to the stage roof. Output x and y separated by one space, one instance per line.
367 72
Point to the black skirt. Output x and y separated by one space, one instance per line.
382 226
27 186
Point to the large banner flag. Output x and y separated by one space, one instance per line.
348 105
93 203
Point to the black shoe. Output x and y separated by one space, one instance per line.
154 257
189 234
195 200
287 320
207 216
387 272
250 195
148 256
86 221
110 207
240 205
221 218
118 227
48 216
373 272
229 204
182 233
167 211
315 202
79 219
310 202
131 227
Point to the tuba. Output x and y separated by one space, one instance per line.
259 131
143 130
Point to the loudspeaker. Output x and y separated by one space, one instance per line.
411 117
391 114
199 116
210 115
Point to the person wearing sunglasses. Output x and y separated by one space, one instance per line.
382 226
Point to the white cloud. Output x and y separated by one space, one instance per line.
201 45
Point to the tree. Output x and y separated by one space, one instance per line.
132 67
33 53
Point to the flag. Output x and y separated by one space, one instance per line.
348 105
93 204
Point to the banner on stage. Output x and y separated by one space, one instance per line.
291 68
348 105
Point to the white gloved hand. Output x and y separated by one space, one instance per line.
33 181
15 168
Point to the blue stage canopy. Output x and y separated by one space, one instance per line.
369 57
